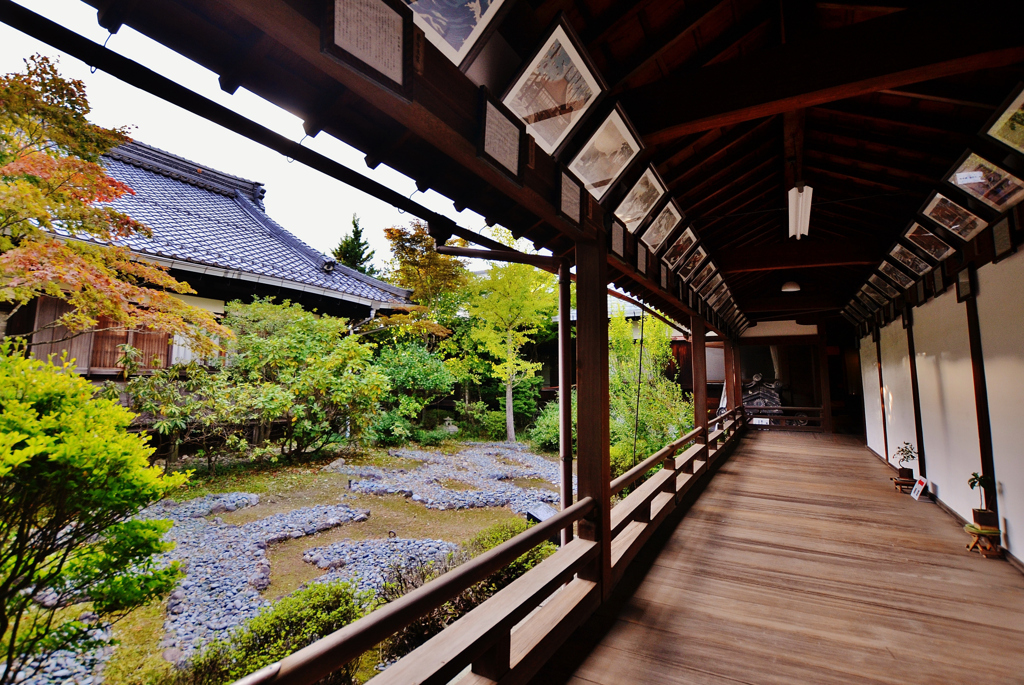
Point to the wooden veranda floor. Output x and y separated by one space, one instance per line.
800 564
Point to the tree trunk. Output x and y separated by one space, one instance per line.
4 316
510 426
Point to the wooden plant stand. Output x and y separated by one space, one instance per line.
901 483
984 540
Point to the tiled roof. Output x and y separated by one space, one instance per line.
205 220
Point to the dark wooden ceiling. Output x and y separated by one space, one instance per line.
736 101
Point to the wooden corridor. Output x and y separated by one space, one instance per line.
800 564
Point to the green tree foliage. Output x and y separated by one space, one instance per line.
438 282
547 429
289 625
71 478
354 252
51 180
417 377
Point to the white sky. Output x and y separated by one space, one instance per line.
311 205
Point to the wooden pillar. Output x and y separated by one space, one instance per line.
737 359
565 378
698 358
988 467
593 471
826 387
730 375
877 334
915 392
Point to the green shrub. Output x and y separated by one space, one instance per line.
391 429
289 625
431 438
546 431
492 425
402 580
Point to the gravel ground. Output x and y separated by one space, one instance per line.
487 469
367 561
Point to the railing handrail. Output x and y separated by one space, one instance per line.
721 417
750 406
333 651
631 476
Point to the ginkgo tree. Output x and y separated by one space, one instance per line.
508 306
59 234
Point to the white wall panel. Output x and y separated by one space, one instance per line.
1001 315
899 397
872 403
948 415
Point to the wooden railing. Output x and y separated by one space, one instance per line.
790 418
511 635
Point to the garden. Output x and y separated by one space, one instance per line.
193 523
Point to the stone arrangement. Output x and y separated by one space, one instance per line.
366 562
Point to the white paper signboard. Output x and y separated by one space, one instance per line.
919 487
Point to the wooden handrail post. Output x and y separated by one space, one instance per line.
730 376
593 471
698 358
565 388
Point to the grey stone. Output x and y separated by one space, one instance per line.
172 654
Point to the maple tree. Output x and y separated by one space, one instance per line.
59 234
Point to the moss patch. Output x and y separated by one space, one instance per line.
453 484
137 659
528 483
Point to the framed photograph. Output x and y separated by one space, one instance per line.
718 297
1007 126
555 89
895 275
868 304
858 308
938 283
964 284
874 295
456 27
910 260
982 179
701 278
954 218
640 200
502 138
1002 239
641 258
933 245
849 319
883 286
618 239
710 286
570 198
664 277
603 158
373 37
921 291
662 226
679 248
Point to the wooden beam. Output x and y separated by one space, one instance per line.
793 146
939 39
806 254
791 302
698 359
593 469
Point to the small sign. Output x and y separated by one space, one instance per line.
919 487
964 177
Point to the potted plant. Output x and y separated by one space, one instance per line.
983 517
905 454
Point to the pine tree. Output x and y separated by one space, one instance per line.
354 252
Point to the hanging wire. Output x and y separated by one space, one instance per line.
639 377
92 70
402 211
302 140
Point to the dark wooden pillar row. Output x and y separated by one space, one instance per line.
700 375
988 466
881 393
826 386
730 375
738 372
565 378
915 392
593 472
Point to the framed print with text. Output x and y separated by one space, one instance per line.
373 37
982 179
603 158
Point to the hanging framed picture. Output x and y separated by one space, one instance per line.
857 308
1007 125
640 200
603 158
570 197
618 238
701 278
662 226
883 286
1002 240
690 264
938 283
895 275
555 89
964 284
710 286
874 295
936 248
954 218
981 179
910 260
679 248
373 37
920 291
641 258
458 28
664 277
868 304
502 140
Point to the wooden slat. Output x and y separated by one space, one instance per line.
800 564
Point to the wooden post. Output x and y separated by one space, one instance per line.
915 393
881 394
737 362
826 388
730 374
565 378
593 471
988 467
698 359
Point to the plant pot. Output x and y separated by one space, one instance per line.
907 474
986 518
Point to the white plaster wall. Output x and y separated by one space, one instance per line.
872 404
897 391
1001 315
948 415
